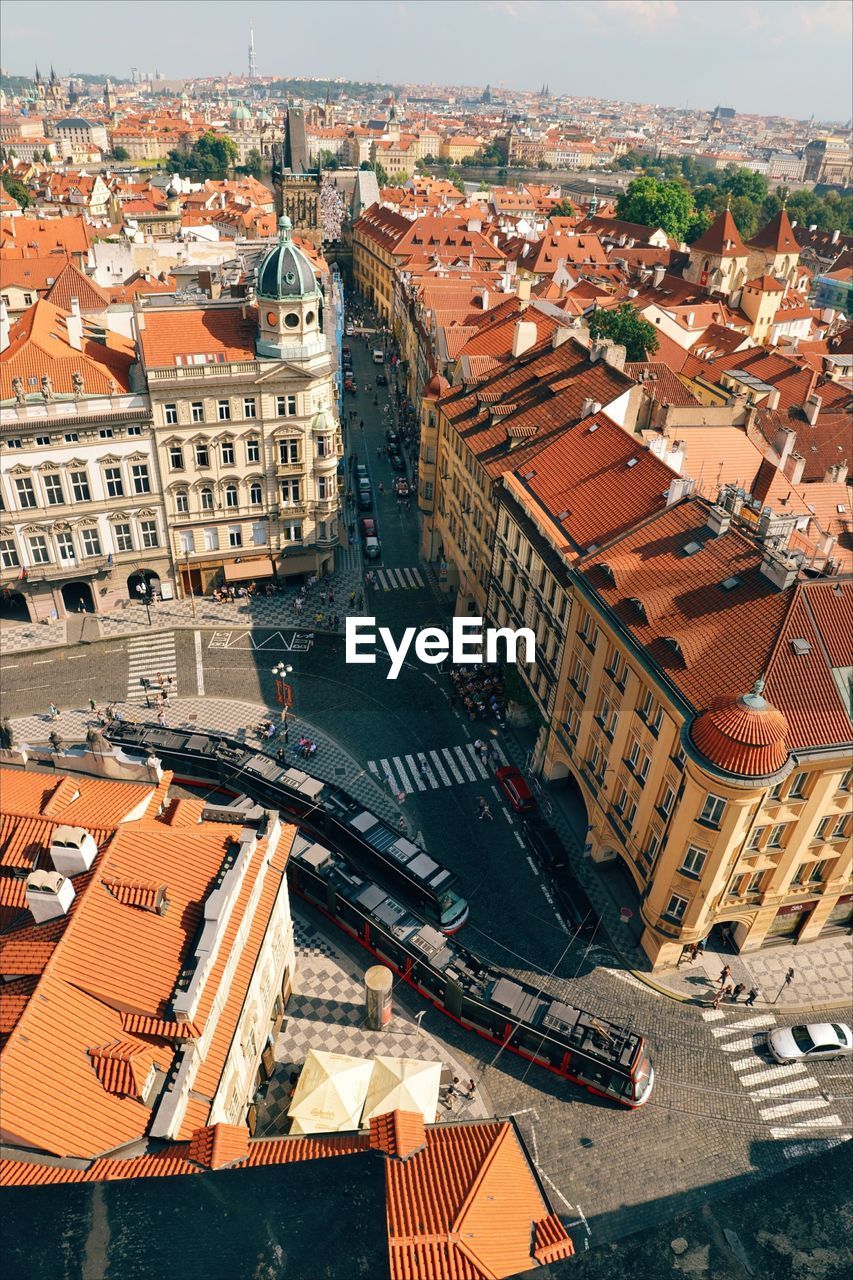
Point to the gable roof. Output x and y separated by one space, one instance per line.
179 332
777 234
722 238
39 346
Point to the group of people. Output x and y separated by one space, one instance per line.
481 692
732 992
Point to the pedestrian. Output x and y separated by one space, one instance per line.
331 596
401 823
686 954
161 720
752 997
360 601
725 973
53 711
92 705
423 770
352 599
285 733
715 1003
738 992
160 680
281 756
169 682
54 740
472 1088
700 946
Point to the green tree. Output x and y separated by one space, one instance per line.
699 223
121 153
563 209
381 173
746 213
17 191
327 159
253 164
657 204
745 183
625 326
211 157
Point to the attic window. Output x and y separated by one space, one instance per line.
632 462
801 647
690 548
640 607
729 584
593 426
841 508
673 644
608 572
562 516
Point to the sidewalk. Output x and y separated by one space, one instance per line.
238 720
823 969
203 611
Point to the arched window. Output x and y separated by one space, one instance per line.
255 493
182 502
231 496
207 498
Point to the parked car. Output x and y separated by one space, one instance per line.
372 549
365 500
368 527
349 385
345 352
364 484
378 356
401 487
516 790
553 857
392 438
361 471
815 1041
382 381
350 329
397 461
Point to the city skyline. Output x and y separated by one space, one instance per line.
761 73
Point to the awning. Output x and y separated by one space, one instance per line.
402 1084
244 570
330 1095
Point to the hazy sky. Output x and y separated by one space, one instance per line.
787 57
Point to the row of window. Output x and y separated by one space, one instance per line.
63 548
55 492
290 491
285 407
289 452
73 437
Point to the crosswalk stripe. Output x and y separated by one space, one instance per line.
439 768
712 1015
416 773
477 762
452 764
762 1020
371 764
416 574
388 774
794 1131
410 582
766 1074
403 775
737 1045
791 1108
790 1086
463 759
430 771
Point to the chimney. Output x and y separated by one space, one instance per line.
658 275
614 355
522 289
484 299
718 520
586 407
49 895
772 401
72 850
781 570
561 335
5 326
679 487
795 467
783 444
836 473
690 319
812 408
74 326
835 236
523 337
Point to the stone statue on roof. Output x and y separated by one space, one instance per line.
18 390
77 384
47 387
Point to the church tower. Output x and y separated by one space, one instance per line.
719 258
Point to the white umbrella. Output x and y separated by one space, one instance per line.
330 1094
402 1084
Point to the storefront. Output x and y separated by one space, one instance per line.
789 921
840 918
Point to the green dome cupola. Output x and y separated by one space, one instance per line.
289 298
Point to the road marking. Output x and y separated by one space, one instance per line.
416 773
463 759
43 662
737 1045
199 668
791 1109
791 1086
439 768
712 1015
452 764
477 762
813 1148
820 1122
772 1073
10 666
76 657
149 656
762 1020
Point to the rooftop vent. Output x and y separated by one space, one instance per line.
673 645
718 521
632 462
563 516
72 850
593 426
49 895
639 607
690 548
729 584
801 647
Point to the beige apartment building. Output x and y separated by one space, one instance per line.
248 442
695 700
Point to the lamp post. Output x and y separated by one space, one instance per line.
144 592
283 690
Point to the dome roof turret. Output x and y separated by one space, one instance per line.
323 422
746 736
240 112
286 271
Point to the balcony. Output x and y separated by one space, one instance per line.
83 568
289 468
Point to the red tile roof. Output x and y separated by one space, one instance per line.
39 346
777 234
218 1145
745 736
399 1134
205 331
722 238
72 283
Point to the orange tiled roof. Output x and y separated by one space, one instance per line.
399 1134
744 736
218 1145
778 235
121 1066
39 346
186 331
72 283
722 238
33 237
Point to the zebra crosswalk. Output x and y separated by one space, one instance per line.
399 579
151 656
432 770
783 1095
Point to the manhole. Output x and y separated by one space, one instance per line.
340 771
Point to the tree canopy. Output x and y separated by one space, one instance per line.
657 203
17 191
211 157
625 326
563 209
121 153
253 164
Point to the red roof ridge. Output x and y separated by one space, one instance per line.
217 1145
398 1133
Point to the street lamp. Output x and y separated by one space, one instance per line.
143 590
283 690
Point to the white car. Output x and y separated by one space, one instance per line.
815 1041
